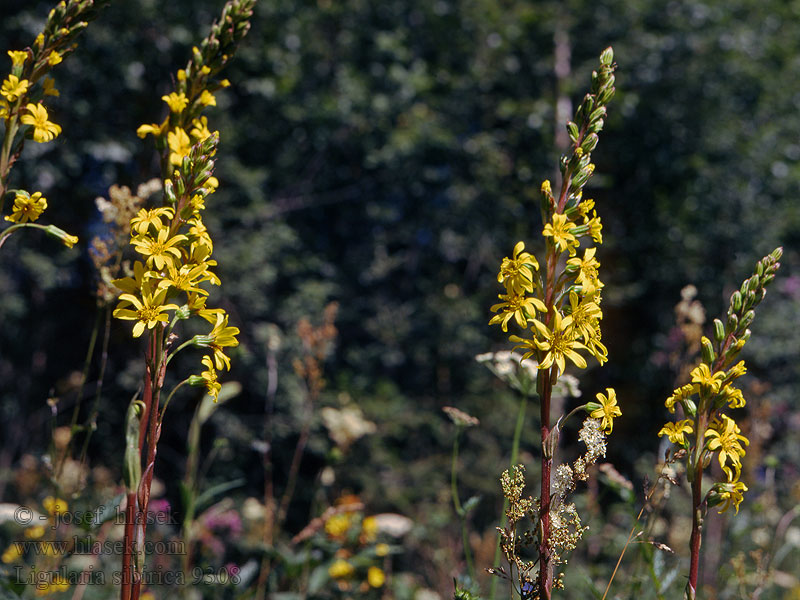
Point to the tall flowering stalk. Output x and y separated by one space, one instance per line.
560 301
707 430
168 284
23 112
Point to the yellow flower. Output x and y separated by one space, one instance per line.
586 315
200 129
160 250
587 270
145 218
726 437
559 343
222 336
210 378
12 553
736 371
337 525
54 58
176 102
518 306
151 129
517 273
147 312
18 57
708 381
207 99
27 207
179 144
375 577
3 108
35 532
49 87
54 586
181 75
369 528
43 130
54 506
595 228
733 396
341 569
681 394
676 431
185 279
381 549
607 411
13 88
559 230
732 494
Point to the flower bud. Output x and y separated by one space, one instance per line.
736 301
707 350
719 330
733 322
747 318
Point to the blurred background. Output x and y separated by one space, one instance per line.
385 156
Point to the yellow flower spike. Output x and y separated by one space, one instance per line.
43 130
559 231
518 306
18 58
179 144
14 87
27 207
676 431
147 311
176 102
608 410
726 437
375 577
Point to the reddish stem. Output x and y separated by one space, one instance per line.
697 529
545 567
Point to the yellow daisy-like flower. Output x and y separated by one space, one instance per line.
341 569
27 207
518 306
587 269
14 87
144 219
559 230
732 494
736 371
176 101
54 58
179 144
18 58
558 343
43 130
733 396
708 381
210 378
586 315
223 336
160 250
681 394
595 228
676 431
726 437
369 529
147 311
185 279
151 129
608 410
375 577
517 273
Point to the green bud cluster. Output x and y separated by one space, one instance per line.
730 336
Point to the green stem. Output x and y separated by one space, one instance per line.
459 509
514 456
